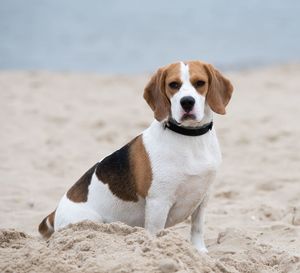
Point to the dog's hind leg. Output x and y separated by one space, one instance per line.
69 212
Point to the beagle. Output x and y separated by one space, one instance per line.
163 176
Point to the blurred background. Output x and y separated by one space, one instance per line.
137 36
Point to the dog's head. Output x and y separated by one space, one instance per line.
183 91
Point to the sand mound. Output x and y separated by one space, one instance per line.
90 247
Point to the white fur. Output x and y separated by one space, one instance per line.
50 228
183 168
187 89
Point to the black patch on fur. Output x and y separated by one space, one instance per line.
79 191
115 171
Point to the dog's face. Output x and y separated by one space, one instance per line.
183 91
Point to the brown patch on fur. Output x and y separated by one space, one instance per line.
141 168
79 191
220 90
127 171
173 75
217 89
115 170
198 73
44 230
157 94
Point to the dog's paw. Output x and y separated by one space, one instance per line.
199 244
202 249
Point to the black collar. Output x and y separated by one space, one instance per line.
188 131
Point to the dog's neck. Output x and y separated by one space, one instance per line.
192 128
188 131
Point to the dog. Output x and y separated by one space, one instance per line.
164 175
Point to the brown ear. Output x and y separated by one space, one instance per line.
219 91
155 95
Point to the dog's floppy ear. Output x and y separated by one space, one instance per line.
219 90
155 95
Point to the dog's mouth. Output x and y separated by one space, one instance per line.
188 119
188 116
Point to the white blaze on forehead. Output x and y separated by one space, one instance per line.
186 89
185 78
185 75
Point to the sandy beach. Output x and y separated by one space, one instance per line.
54 126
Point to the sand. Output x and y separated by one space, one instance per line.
54 126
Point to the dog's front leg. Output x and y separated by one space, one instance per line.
156 213
197 229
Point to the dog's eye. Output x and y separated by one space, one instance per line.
174 85
199 83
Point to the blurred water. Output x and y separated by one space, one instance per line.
137 36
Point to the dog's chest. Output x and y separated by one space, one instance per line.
182 173
188 188
188 195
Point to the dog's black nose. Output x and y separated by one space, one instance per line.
187 103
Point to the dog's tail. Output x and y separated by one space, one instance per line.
46 227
